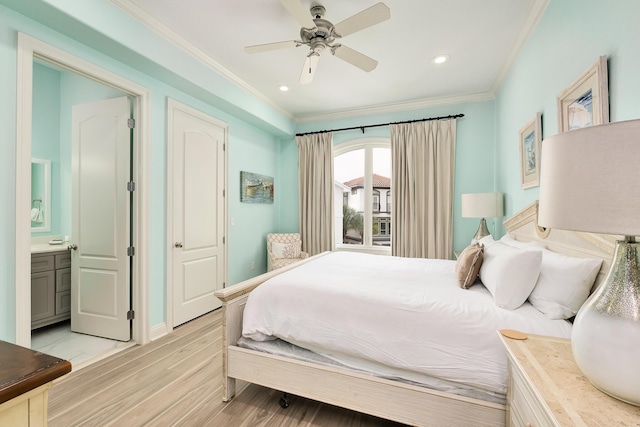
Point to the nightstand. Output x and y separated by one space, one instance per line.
546 388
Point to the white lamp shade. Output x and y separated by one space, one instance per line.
482 205
590 179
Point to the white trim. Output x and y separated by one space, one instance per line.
165 32
533 17
28 49
392 108
159 331
173 105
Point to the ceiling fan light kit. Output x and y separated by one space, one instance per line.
319 34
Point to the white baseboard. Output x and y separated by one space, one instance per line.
158 331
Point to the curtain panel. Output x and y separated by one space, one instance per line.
315 172
423 161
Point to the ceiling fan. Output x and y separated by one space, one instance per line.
320 34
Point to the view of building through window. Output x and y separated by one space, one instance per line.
362 186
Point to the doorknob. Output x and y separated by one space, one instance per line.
178 244
74 247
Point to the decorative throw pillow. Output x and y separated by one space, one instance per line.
564 284
510 273
286 250
468 265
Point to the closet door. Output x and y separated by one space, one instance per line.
196 146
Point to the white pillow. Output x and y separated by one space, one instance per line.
509 273
286 250
564 284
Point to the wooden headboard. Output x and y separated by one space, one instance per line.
523 226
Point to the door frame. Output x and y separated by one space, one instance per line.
173 105
29 49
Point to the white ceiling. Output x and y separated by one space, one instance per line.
481 37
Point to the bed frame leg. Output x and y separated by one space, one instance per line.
284 400
228 388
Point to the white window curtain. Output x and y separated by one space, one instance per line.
423 161
315 172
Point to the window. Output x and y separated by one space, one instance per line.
362 175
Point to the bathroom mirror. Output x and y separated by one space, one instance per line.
40 195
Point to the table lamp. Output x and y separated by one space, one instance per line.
482 205
590 181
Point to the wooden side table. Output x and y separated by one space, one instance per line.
25 379
546 388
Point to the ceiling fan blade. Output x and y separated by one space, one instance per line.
270 46
309 68
368 17
299 13
354 58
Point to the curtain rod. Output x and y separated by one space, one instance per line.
362 128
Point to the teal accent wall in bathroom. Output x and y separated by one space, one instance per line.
45 138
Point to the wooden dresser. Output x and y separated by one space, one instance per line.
25 379
546 388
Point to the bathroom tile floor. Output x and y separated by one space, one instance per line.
80 349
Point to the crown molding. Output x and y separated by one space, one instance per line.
395 107
135 11
533 17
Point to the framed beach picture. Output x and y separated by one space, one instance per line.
586 101
530 137
255 188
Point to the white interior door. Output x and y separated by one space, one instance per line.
198 211
100 290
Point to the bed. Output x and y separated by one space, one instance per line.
365 381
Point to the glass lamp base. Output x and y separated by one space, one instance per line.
482 231
606 331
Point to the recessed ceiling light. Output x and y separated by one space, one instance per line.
283 88
440 59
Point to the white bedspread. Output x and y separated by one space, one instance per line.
408 314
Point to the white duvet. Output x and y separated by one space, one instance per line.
406 314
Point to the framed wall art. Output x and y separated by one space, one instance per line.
530 137
255 188
586 101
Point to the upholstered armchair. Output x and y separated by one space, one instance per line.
283 249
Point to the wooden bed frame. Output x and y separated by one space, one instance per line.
388 399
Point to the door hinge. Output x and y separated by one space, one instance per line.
223 240
131 251
131 186
224 147
131 123
131 315
223 193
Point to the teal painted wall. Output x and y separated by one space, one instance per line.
570 37
254 130
45 138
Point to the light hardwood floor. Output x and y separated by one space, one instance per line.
176 381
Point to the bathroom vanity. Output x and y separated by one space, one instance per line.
50 285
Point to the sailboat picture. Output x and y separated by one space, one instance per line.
256 188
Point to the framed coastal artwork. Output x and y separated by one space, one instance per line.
586 101
530 137
255 188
